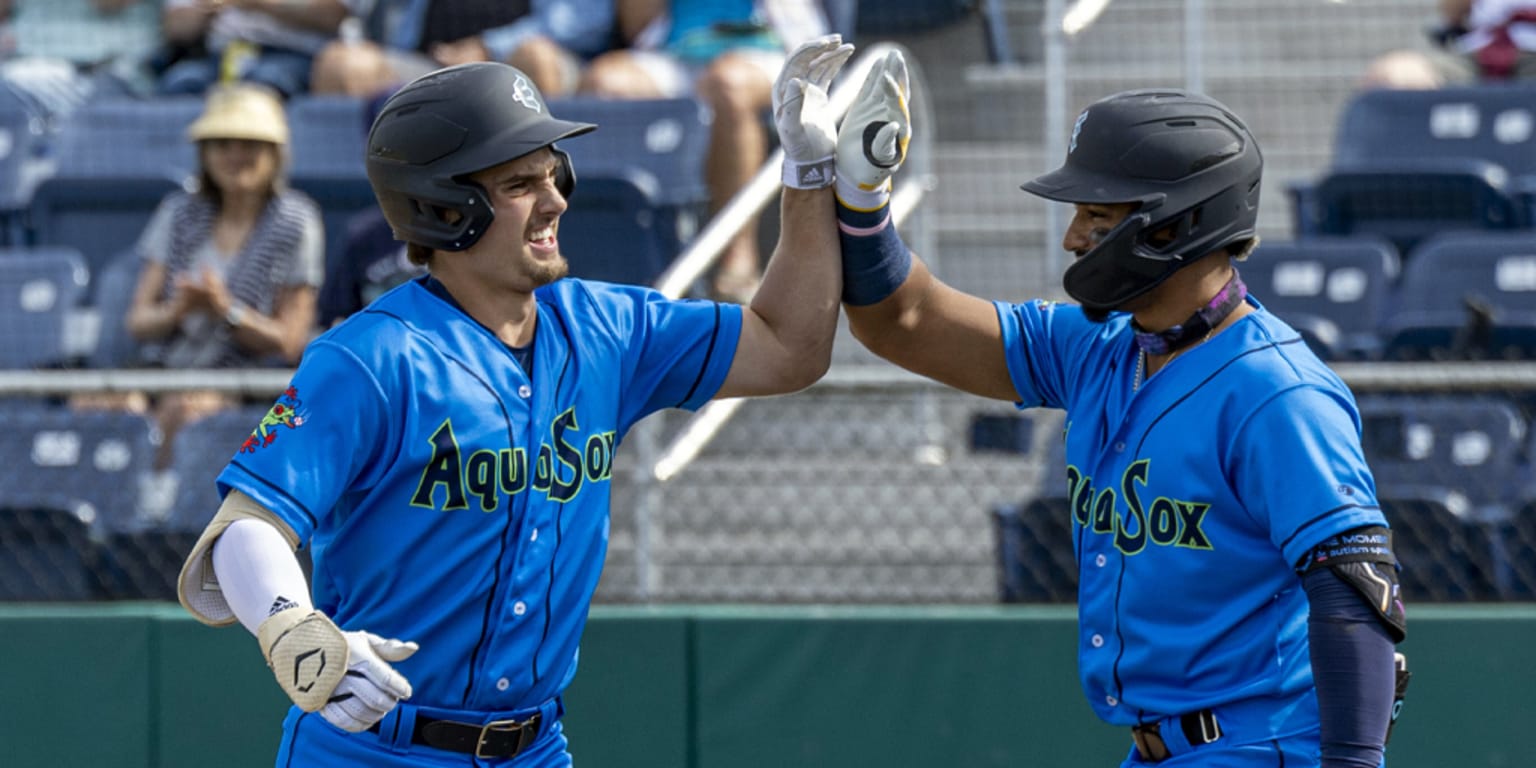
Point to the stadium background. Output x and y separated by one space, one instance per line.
869 489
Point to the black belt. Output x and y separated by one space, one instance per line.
499 738
1199 728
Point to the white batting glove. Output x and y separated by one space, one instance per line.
371 687
807 131
341 675
872 142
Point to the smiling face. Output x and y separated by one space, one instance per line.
520 250
241 166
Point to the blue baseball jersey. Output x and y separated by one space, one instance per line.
1193 499
450 499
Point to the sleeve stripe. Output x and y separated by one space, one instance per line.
1308 524
709 353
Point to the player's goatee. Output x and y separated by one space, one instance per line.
546 272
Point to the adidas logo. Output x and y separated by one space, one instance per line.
811 175
279 605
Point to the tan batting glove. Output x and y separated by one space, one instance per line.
342 675
872 142
807 130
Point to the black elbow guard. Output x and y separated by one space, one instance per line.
1363 559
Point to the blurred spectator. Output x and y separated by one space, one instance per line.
272 42
547 39
727 53
372 262
1477 41
231 269
61 52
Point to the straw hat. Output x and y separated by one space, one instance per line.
241 111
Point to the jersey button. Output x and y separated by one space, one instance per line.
1112 701
1097 640
524 391
1100 561
534 536
519 608
1119 447
503 684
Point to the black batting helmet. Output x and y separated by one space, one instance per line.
445 125
1185 158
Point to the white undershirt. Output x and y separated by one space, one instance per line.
257 570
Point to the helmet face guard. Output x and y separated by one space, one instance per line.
1190 164
442 127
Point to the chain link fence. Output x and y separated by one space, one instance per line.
878 488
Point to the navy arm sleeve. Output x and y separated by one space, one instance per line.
1352 668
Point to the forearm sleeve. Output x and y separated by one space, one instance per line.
1352 671
258 572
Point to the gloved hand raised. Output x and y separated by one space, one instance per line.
806 128
872 142
342 675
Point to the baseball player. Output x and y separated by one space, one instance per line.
446 453
1238 595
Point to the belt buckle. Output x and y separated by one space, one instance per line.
1149 742
500 726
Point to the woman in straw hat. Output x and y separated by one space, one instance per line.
232 267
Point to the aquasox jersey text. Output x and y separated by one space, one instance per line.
1133 520
486 479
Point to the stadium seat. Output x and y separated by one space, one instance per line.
148 557
129 138
22 138
340 198
1492 123
1466 295
47 555
1409 203
1447 472
111 297
329 136
1409 163
96 216
614 231
90 463
39 289
659 144
200 453
1334 291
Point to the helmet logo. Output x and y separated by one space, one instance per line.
524 94
1077 128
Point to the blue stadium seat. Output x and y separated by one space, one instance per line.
39 289
659 144
129 138
112 290
201 451
1409 163
22 140
1492 123
1409 203
614 232
1334 291
47 555
1034 538
90 463
1447 471
97 216
340 198
1466 295
147 558
328 136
